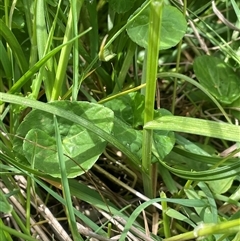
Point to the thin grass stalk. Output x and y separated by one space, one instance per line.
50 64
30 183
64 56
65 184
9 25
28 202
125 67
151 75
43 44
204 230
16 233
199 86
19 222
75 15
166 221
28 74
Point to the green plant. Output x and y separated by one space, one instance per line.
79 111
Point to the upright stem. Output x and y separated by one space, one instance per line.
149 170
65 52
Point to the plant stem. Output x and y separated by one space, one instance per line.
64 56
166 221
151 75
204 230
75 14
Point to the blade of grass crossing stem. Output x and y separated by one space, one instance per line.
150 172
141 207
199 86
133 158
24 79
65 184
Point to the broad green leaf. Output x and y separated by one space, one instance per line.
173 27
163 143
81 147
129 108
128 136
179 216
121 6
209 214
184 162
235 108
74 118
218 78
5 207
221 186
203 212
132 139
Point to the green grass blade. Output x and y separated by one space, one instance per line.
195 83
44 41
23 80
75 17
197 127
5 61
16 233
65 185
140 208
209 175
7 34
64 56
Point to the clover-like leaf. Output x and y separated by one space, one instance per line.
121 6
218 78
81 147
173 27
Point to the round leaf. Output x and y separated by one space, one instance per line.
81 147
129 108
218 78
173 27
121 6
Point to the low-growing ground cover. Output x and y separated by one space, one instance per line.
120 120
